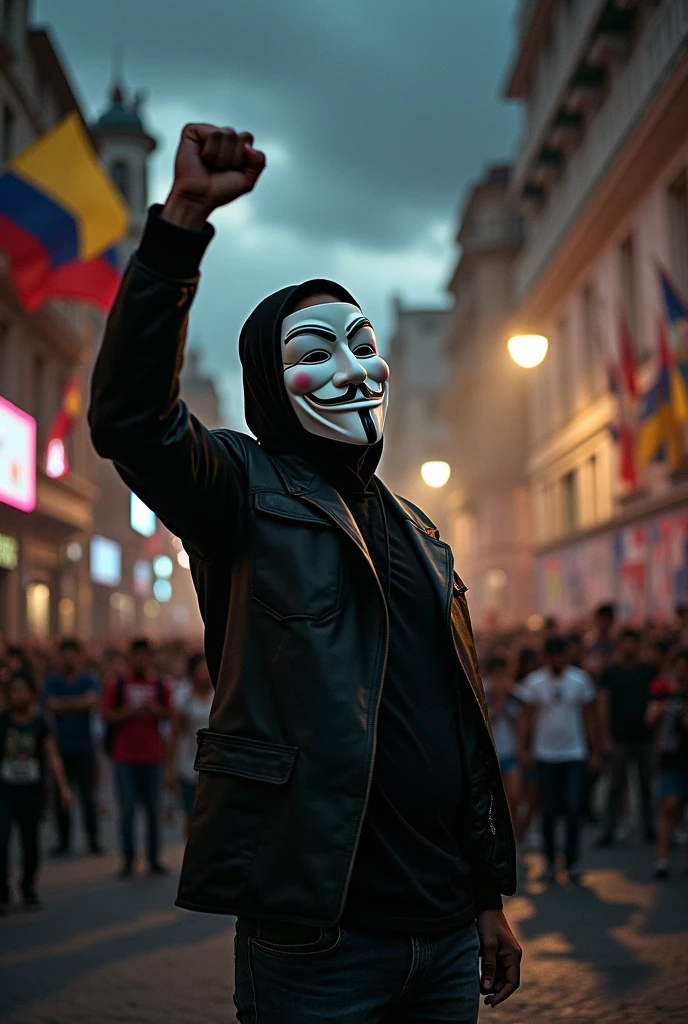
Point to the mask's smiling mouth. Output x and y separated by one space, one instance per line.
356 396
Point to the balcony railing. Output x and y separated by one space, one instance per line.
661 45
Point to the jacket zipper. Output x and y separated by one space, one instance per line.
371 763
490 819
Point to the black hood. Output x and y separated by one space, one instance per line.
269 413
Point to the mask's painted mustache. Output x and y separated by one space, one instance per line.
350 395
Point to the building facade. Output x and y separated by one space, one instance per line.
485 410
42 590
602 175
415 430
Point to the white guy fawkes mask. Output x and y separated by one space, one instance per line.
334 377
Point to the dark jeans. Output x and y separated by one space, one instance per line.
23 804
562 786
80 770
138 783
343 976
624 754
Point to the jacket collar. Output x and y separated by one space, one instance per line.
304 482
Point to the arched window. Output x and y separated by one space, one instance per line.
121 177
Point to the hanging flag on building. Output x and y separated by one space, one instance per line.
60 217
676 313
55 459
659 420
622 379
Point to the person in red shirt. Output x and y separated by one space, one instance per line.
133 707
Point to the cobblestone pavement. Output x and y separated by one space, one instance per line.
615 950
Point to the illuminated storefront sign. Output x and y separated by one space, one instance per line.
17 457
141 518
106 561
9 552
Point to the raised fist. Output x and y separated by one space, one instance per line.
213 166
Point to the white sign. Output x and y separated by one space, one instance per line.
17 457
141 518
106 561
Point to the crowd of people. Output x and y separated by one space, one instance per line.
591 723
571 712
78 721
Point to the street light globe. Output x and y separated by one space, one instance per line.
528 350
435 474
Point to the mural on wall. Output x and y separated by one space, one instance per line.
643 568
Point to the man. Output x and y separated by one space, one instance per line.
27 752
600 648
133 707
626 737
349 808
667 714
72 696
558 732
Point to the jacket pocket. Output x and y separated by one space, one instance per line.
237 755
297 559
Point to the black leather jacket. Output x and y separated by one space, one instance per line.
296 635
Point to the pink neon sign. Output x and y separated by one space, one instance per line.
17 457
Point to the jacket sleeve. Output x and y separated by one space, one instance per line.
191 477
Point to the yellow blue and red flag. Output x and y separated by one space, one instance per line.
676 312
60 217
622 379
55 458
659 430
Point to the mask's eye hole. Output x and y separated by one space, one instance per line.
316 357
364 351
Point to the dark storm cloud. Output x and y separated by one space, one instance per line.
380 108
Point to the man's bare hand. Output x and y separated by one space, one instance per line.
213 167
501 957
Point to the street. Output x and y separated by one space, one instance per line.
615 950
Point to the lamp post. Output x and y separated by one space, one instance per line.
528 350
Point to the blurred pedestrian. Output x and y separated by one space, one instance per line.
600 643
72 695
558 730
667 713
626 738
191 703
133 706
504 710
27 747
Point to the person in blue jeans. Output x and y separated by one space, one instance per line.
72 695
133 706
558 733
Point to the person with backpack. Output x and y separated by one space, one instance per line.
134 705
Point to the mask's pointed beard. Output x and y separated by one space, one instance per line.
368 425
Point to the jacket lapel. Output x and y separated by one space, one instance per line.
434 554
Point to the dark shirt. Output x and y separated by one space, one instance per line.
408 872
629 690
22 751
74 734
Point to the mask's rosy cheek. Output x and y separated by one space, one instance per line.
378 370
300 383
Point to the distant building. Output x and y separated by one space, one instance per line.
44 578
602 171
415 431
485 410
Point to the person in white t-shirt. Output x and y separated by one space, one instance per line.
191 705
558 733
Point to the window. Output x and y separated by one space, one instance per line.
592 345
37 395
566 379
120 175
569 501
7 139
678 229
627 282
38 610
592 483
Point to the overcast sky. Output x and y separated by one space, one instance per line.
375 116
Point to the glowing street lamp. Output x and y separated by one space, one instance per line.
528 350
436 473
